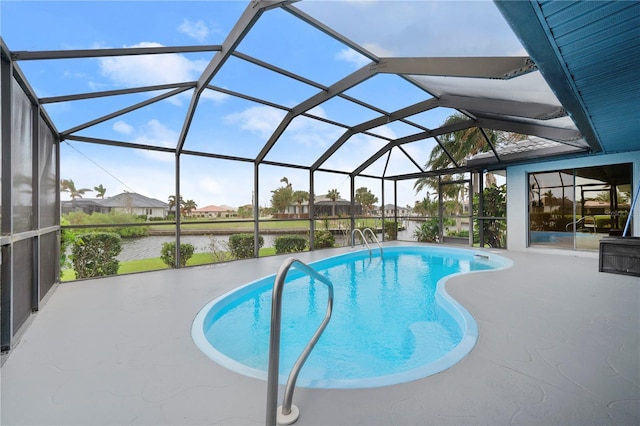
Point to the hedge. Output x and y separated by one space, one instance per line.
168 254
323 239
290 244
94 254
242 246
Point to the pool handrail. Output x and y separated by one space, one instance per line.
585 225
373 235
364 240
288 413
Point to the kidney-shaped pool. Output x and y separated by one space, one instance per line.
392 319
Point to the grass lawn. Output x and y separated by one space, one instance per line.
267 224
154 264
237 226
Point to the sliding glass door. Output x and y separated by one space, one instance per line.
575 208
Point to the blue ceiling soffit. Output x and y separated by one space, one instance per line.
589 53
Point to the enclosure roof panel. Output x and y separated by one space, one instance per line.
301 83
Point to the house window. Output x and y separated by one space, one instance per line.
575 208
149 212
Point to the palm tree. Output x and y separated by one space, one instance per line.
172 202
67 185
455 147
365 197
333 195
101 190
189 206
282 197
548 196
300 197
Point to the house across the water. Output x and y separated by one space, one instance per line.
215 211
126 202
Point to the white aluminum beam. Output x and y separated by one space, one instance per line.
554 133
502 68
533 110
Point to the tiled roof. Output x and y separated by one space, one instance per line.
212 209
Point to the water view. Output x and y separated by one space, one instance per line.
149 247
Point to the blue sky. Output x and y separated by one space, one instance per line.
225 124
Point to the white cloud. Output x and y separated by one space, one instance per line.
122 127
309 132
96 86
214 96
385 131
152 133
149 70
318 111
259 119
378 50
210 185
156 133
353 57
144 70
194 29
353 152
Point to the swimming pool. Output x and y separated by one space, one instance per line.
392 319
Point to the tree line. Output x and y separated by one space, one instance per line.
284 196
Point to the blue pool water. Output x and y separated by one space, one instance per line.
392 320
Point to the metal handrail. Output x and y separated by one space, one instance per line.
364 240
289 413
374 238
582 221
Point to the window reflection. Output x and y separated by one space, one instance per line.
575 208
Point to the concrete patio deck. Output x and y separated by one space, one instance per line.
559 343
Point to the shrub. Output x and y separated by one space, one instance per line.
323 239
463 233
242 247
428 231
391 230
168 254
290 244
67 236
94 254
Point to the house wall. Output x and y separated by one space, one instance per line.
207 214
155 211
518 191
392 212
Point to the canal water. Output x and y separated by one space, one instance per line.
150 247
